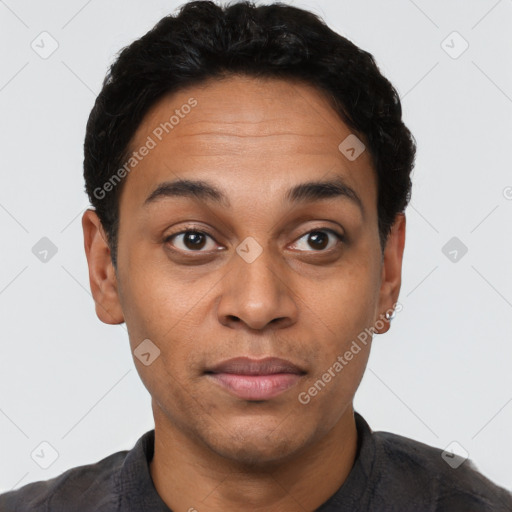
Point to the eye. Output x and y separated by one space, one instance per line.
191 241
318 240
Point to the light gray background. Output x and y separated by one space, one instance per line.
442 373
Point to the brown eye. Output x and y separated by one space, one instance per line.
190 240
318 240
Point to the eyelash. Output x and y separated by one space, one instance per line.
192 229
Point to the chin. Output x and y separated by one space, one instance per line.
257 445
257 454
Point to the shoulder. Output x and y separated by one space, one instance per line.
92 484
452 484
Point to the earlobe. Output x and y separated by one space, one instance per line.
391 279
102 277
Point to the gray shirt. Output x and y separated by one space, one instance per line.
390 473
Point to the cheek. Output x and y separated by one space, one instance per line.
153 302
346 303
328 394
342 312
342 356
160 309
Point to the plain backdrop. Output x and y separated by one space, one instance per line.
442 374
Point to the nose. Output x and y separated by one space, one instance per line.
257 293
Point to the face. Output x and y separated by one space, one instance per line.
249 263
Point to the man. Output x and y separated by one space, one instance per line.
249 171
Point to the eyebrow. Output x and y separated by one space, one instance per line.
207 192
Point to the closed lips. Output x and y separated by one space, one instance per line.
256 380
248 366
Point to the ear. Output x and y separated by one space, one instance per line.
102 277
391 277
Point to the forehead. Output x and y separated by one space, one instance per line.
255 137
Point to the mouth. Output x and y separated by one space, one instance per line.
256 379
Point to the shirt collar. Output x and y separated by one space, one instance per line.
137 492
134 486
354 493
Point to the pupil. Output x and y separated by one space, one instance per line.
319 238
194 240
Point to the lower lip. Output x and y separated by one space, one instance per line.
256 387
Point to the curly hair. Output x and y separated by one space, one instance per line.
206 41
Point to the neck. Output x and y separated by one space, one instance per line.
189 476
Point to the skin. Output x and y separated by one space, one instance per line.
253 139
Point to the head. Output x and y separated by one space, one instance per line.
249 170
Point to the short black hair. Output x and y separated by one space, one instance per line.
207 41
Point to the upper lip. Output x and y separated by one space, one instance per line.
248 366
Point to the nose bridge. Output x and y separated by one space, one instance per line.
254 291
256 274
256 269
